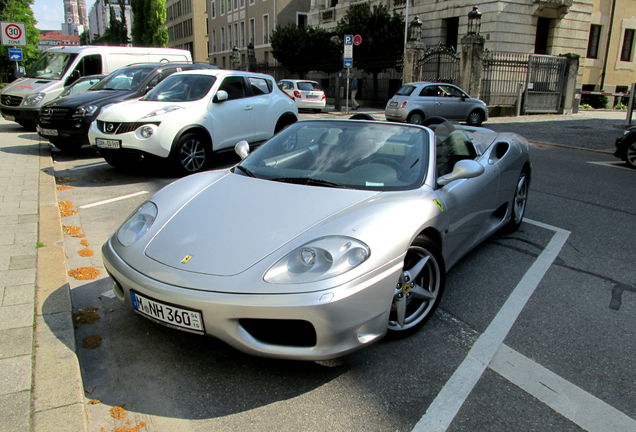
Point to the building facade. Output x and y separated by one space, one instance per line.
99 17
187 23
75 20
237 23
51 38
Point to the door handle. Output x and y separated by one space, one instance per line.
249 107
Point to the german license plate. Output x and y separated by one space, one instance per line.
47 132
171 315
393 104
107 143
312 96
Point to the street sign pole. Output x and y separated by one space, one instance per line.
348 63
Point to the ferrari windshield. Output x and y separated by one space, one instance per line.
50 65
344 153
127 79
181 88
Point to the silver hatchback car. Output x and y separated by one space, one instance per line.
418 101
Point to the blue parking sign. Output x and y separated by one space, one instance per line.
348 63
15 54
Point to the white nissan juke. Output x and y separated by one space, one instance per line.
189 116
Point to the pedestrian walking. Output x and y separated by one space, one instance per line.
354 91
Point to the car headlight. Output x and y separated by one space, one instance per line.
163 110
317 260
146 131
85 111
137 224
34 99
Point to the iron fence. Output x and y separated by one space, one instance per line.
501 76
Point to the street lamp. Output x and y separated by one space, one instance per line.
474 21
415 30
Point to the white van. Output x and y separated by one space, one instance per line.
60 66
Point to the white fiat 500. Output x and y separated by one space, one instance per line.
190 115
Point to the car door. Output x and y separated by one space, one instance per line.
470 205
427 101
452 103
231 120
259 97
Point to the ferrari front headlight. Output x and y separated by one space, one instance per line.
137 224
317 260
33 99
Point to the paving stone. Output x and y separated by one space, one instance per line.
28 218
64 419
15 374
16 316
19 294
16 412
16 342
17 277
20 262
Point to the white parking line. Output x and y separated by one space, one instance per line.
93 165
617 164
572 402
450 399
108 201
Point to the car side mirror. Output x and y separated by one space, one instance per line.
221 96
242 148
464 169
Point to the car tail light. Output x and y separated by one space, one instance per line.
296 94
323 97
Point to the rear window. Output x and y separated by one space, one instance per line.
309 86
405 90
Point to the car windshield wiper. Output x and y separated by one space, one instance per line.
245 170
307 181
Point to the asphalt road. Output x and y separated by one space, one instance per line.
566 363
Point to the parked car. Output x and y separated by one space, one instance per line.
328 236
415 102
65 121
190 115
81 85
307 94
626 147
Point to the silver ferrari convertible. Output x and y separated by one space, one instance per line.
324 239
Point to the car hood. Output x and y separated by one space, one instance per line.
238 221
95 97
26 86
135 109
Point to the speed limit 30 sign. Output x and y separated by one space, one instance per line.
13 33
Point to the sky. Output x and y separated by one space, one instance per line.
50 13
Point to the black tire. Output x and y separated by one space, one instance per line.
519 202
66 147
283 122
191 154
419 289
475 118
415 117
630 155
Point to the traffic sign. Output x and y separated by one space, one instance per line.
13 33
357 40
348 51
348 40
15 54
348 62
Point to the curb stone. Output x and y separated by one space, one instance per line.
58 399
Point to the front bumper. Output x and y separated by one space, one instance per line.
20 115
345 318
74 130
156 145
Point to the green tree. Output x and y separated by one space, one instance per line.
303 49
382 38
19 11
124 27
148 28
115 33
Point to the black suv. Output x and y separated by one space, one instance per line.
65 121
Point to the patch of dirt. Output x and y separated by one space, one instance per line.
63 179
61 188
73 231
139 426
84 273
88 315
94 402
66 208
92 342
84 243
86 252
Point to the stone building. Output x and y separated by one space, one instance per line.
99 17
237 23
187 23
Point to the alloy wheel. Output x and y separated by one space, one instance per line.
520 199
192 155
